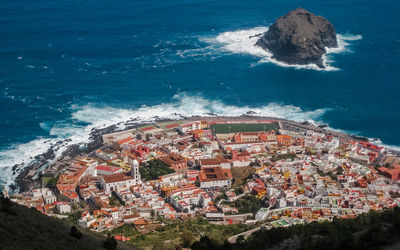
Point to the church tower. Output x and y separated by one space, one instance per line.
135 173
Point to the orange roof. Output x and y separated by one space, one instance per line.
393 173
148 128
209 162
122 141
175 125
140 222
214 174
132 216
117 178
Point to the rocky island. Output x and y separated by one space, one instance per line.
299 37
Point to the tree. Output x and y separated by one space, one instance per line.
204 243
110 243
75 233
159 245
112 202
240 239
187 238
74 217
339 170
7 206
152 214
52 182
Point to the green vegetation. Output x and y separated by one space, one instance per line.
75 232
49 182
339 170
114 200
74 217
284 157
218 233
179 233
248 204
238 190
166 237
368 231
155 168
25 228
110 243
222 128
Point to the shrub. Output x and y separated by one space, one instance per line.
75 233
110 243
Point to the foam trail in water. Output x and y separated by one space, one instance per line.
243 42
182 105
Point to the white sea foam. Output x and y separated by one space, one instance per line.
243 42
182 105
379 142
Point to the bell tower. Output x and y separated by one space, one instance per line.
135 170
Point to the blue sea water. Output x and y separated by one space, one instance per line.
69 66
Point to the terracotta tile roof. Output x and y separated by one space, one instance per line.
147 128
117 178
209 162
214 174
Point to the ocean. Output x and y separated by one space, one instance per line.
69 66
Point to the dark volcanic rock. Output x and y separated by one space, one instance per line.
299 37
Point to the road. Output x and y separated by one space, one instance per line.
246 234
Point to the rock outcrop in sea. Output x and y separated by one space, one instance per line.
299 37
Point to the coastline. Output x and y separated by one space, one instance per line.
47 164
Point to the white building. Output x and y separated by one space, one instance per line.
64 207
111 182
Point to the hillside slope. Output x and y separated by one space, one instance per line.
375 230
24 228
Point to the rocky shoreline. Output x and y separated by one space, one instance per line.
29 177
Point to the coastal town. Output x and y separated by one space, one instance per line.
254 172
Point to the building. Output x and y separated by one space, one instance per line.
175 162
393 173
189 126
262 214
45 193
226 130
107 170
210 162
68 181
63 207
211 177
284 140
111 182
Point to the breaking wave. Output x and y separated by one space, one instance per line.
243 42
83 119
